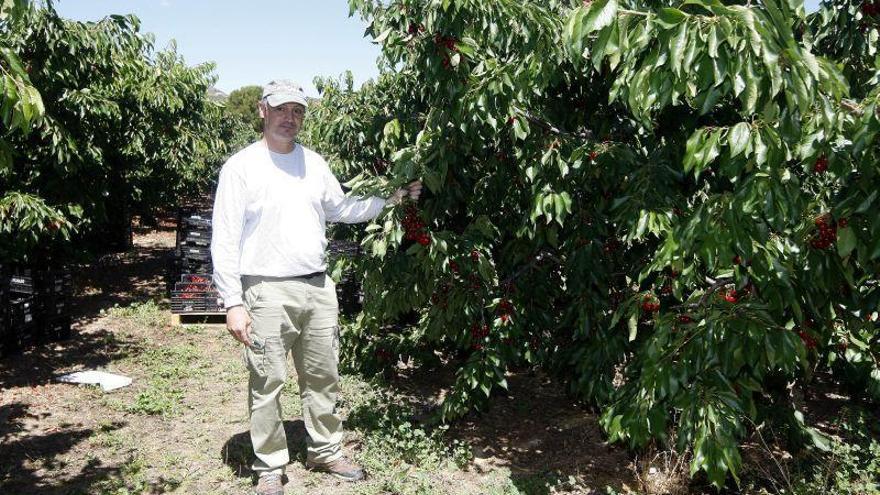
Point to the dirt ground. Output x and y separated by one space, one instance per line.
64 439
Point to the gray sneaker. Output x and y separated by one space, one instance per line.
341 468
269 484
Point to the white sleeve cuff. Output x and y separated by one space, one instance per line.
231 301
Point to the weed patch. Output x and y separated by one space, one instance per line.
166 368
850 467
145 314
132 478
390 437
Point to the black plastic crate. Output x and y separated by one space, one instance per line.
22 284
52 281
203 288
214 303
197 237
55 282
347 249
195 243
197 221
54 308
195 252
187 302
196 267
196 278
58 328
196 234
22 310
20 337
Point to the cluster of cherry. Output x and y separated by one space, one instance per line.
827 232
414 228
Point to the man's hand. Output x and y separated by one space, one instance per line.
238 322
413 190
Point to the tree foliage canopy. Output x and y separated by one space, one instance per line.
106 127
668 204
242 103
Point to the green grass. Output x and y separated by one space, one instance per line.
166 370
147 314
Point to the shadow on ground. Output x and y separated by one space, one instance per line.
40 365
19 454
535 430
238 454
120 279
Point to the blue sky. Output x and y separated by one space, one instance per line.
255 42
250 42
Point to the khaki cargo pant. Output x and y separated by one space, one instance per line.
295 316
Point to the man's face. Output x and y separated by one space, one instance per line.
282 123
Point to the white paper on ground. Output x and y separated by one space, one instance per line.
107 381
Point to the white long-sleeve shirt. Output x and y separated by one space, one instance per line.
270 215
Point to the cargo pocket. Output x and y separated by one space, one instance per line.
255 358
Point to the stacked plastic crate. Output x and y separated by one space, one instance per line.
193 292
37 303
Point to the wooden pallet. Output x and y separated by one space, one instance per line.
198 318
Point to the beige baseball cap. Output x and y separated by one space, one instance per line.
284 91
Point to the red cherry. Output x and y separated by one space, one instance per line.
685 319
821 165
808 339
593 155
730 296
842 223
737 260
649 306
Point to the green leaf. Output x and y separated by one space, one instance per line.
863 207
846 242
738 139
713 41
633 326
677 48
574 31
669 17
382 36
601 14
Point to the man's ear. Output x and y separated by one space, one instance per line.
262 106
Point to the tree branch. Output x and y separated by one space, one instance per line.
711 290
547 126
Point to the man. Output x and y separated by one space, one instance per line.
273 200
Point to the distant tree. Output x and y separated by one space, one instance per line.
243 103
